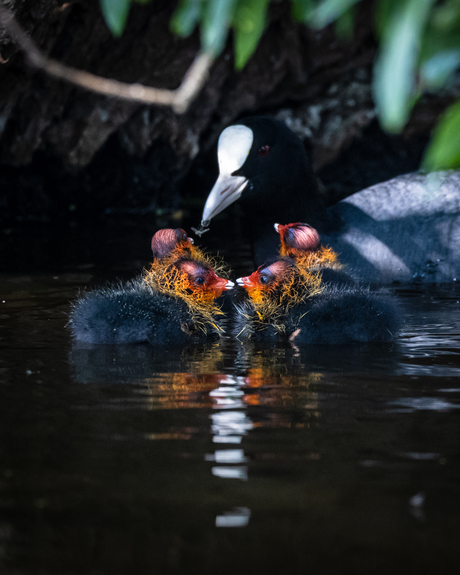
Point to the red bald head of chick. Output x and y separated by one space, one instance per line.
281 284
200 281
298 238
302 243
167 240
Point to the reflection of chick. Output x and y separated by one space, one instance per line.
302 243
172 301
286 302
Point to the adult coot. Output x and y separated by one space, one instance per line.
404 229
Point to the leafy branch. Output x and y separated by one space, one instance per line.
419 49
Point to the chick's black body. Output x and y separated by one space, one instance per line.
132 313
335 277
345 315
339 315
288 302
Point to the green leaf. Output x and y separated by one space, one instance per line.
345 24
328 11
383 13
436 71
216 19
444 150
394 71
439 57
186 17
446 16
249 25
115 14
301 9
435 41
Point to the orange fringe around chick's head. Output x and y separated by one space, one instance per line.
302 243
275 288
166 240
189 274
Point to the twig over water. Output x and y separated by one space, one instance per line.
179 99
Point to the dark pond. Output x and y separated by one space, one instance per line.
227 458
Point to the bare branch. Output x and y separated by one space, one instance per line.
179 99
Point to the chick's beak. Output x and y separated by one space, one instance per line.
223 284
244 282
281 229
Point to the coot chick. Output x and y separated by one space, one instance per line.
400 230
166 240
287 303
302 243
170 303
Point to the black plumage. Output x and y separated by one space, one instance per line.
134 312
287 304
402 230
172 302
339 315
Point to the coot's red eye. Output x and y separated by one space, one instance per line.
263 151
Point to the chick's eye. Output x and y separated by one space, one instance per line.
263 279
263 151
200 280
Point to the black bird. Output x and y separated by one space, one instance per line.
289 303
173 302
404 229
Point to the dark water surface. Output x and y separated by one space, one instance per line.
227 458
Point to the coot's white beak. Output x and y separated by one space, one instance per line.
233 149
226 190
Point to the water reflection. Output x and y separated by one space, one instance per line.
228 458
238 517
229 426
409 404
142 364
416 506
